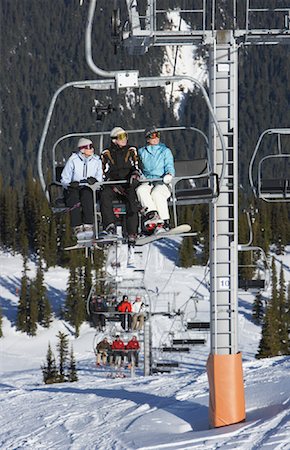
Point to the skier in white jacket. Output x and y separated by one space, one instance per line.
83 166
138 310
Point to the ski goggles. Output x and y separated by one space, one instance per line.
86 147
121 136
153 135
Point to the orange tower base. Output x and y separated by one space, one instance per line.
226 389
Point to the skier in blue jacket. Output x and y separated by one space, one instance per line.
84 166
157 162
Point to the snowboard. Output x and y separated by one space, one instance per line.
180 229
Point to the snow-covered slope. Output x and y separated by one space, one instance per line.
168 411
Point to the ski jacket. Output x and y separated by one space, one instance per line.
118 345
78 168
133 345
138 307
103 345
98 306
124 306
156 161
119 163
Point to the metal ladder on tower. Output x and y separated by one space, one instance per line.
224 211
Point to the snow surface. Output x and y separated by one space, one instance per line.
164 411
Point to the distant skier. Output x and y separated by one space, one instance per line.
138 310
156 162
97 306
132 348
125 308
103 351
118 348
87 167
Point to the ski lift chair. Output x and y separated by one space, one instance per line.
261 281
193 183
274 189
269 178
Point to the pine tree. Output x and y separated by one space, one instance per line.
32 311
75 311
283 327
62 347
270 341
72 375
22 320
186 256
44 309
258 310
23 244
287 316
49 371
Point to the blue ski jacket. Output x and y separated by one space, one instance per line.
78 168
156 161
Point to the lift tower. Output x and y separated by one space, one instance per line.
248 24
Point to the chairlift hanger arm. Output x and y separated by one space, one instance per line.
109 84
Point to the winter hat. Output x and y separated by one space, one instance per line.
83 142
115 131
150 130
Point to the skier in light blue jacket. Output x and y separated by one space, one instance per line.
83 166
156 162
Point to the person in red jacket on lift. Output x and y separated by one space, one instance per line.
125 308
133 347
117 348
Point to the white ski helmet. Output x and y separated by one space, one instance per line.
115 131
83 142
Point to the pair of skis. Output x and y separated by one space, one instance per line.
142 240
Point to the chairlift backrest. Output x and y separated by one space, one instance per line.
58 172
188 168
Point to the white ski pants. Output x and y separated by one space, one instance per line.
154 198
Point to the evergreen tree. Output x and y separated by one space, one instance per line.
22 307
44 309
49 371
62 347
258 310
287 315
75 311
270 341
186 256
23 244
32 312
283 327
72 375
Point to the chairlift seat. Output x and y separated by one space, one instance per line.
167 364
188 341
175 349
251 285
201 187
198 325
160 370
279 188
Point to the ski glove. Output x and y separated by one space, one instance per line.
74 184
91 180
167 178
135 177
